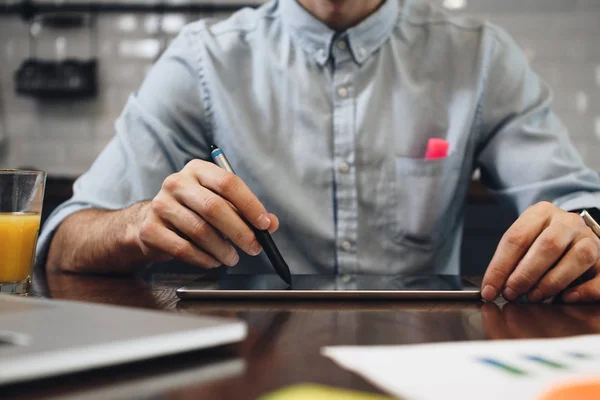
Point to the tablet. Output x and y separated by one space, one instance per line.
317 287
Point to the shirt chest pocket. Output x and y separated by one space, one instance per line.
420 209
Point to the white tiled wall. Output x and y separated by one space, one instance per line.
561 38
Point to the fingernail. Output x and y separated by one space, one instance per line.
272 228
233 259
509 294
255 249
572 297
489 293
536 296
263 222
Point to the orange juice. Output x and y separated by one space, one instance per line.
18 237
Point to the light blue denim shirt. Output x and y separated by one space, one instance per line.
330 131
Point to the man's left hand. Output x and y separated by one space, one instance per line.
544 252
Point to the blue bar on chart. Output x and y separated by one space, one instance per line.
580 356
546 362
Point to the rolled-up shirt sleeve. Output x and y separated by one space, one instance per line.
526 155
161 128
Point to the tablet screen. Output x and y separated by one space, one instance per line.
342 283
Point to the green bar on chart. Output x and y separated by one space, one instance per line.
503 366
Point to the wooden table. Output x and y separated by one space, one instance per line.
284 338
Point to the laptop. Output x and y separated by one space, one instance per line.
322 287
40 338
149 387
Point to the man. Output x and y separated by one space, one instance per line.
325 109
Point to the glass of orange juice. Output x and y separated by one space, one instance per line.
21 198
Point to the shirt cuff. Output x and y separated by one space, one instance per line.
579 202
52 224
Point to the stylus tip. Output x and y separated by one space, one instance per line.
287 278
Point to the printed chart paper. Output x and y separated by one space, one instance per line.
508 369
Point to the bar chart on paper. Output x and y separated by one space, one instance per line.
515 369
531 364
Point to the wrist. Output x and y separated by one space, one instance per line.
133 223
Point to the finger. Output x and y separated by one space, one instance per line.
155 255
586 292
194 228
517 322
232 188
494 323
585 319
272 217
512 247
218 213
158 237
274 223
575 320
545 251
544 320
579 259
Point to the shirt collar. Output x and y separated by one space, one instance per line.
316 38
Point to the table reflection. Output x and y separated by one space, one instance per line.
117 290
524 321
285 337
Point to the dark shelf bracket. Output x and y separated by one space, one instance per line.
28 9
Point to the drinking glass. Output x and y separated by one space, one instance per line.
21 198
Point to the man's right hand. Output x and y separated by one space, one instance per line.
197 212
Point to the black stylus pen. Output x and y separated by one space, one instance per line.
263 237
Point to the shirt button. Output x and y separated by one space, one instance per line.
362 52
341 45
346 245
344 167
321 53
342 92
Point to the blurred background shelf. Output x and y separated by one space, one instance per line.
30 8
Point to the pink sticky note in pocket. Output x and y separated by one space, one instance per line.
436 149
